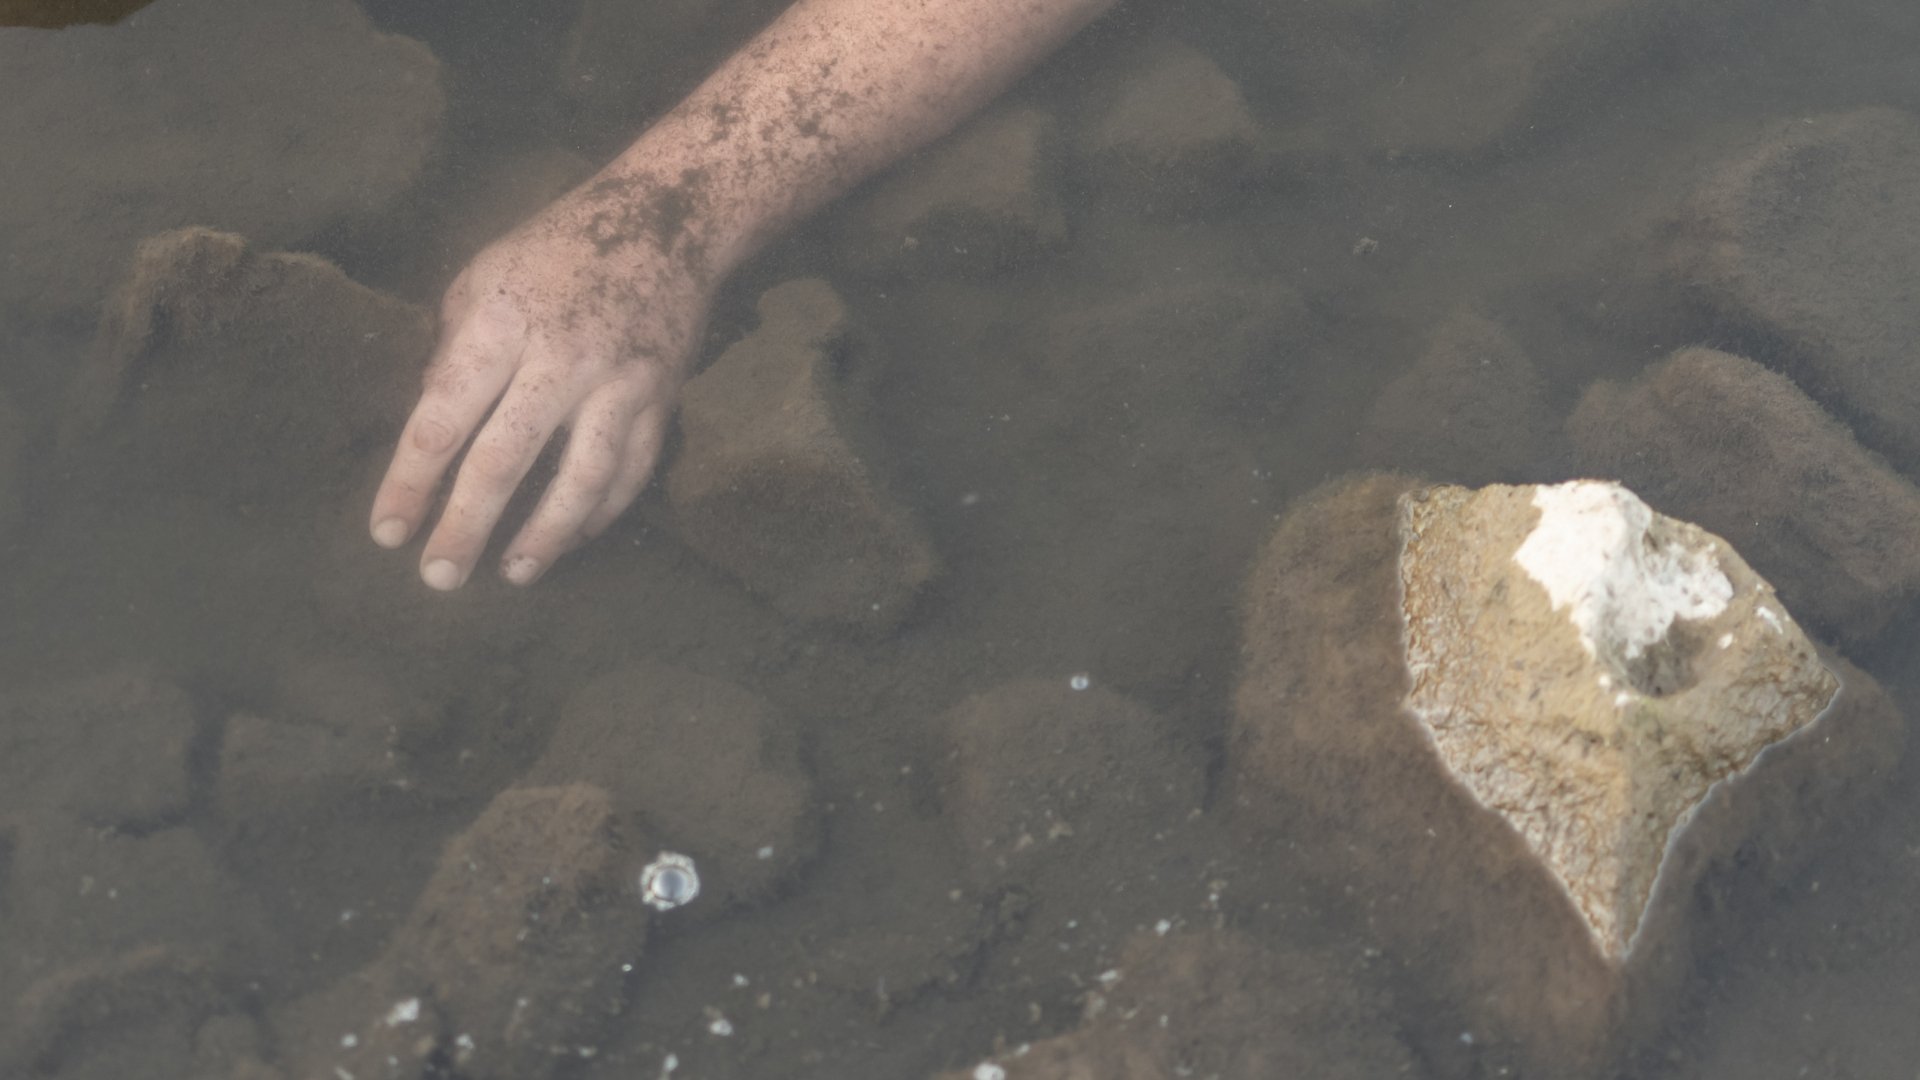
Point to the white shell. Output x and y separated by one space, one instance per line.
669 882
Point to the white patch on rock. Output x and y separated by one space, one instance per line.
1592 553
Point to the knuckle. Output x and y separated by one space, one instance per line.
433 435
495 464
592 477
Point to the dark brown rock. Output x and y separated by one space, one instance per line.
335 736
1219 1004
273 122
713 771
1468 76
133 1014
112 750
624 63
75 895
981 202
1471 410
1179 345
1177 136
243 375
515 946
1037 766
775 484
1723 442
1812 238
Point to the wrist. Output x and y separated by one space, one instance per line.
674 195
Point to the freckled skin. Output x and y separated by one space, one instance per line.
585 316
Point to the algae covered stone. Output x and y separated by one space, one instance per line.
1525 742
1588 669
778 482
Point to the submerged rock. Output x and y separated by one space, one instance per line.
1812 238
242 375
1177 136
1588 668
623 63
131 1014
1471 74
79 908
1037 765
273 121
773 483
713 770
983 201
113 751
1723 441
334 739
1217 1003
1525 736
1470 410
1147 344
514 947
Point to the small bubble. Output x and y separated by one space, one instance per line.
669 882
1080 681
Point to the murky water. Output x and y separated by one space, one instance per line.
959 777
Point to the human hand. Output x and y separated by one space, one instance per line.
549 327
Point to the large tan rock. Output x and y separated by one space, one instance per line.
776 483
277 122
1529 775
1812 237
1722 441
1587 669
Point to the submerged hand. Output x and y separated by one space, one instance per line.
548 328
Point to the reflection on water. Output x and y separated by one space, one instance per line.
925 649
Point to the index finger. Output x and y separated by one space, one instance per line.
465 378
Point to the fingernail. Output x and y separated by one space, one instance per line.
390 532
522 569
441 574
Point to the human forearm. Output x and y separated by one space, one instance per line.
584 317
829 93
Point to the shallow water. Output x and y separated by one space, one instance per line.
1096 440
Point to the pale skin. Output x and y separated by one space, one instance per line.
583 320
